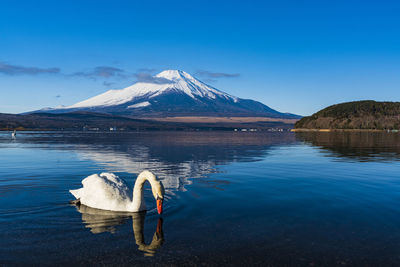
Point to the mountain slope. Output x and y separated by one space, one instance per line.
172 93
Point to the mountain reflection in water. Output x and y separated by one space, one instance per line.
176 157
100 221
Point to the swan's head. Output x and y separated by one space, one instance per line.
156 187
158 192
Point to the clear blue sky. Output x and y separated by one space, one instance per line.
294 56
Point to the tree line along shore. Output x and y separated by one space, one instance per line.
358 115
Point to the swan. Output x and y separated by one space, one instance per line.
109 192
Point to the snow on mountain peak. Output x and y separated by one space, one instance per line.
173 80
173 74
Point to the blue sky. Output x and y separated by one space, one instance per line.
294 56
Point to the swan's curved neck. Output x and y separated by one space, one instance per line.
137 198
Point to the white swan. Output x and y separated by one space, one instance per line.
109 192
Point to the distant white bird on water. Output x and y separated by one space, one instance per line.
109 192
14 134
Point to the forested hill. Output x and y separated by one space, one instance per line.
366 114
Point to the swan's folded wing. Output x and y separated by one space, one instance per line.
105 191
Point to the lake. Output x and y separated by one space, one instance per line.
232 198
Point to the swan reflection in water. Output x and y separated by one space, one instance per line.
100 221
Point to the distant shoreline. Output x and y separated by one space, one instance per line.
295 130
96 122
235 130
219 119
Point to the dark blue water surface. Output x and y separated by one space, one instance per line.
268 199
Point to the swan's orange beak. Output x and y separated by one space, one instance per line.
159 206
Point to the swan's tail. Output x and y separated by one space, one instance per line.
76 193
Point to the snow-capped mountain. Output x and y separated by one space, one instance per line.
172 93
165 82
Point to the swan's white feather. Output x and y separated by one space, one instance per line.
105 191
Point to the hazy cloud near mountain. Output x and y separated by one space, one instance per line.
108 84
216 75
147 77
97 72
102 72
9 69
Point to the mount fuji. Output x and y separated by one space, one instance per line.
171 93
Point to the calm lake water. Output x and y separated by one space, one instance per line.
270 199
